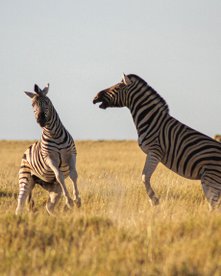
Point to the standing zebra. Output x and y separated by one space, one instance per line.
49 161
164 139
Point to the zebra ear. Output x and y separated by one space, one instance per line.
37 89
30 94
45 90
126 80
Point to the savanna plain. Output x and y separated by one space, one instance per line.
116 231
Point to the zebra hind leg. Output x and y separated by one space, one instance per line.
30 202
54 190
77 198
26 184
212 192
54 196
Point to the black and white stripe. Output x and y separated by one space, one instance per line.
49 161
164 139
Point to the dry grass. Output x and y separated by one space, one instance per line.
115 232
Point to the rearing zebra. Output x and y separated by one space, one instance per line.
164 139
49 161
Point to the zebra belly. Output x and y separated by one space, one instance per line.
48 175
194 166
191 167
188 152
180 172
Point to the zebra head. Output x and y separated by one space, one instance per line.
114 96
41 104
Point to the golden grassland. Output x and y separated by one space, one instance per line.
116 231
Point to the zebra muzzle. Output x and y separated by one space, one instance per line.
99 99
41 119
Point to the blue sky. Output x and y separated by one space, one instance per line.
82 47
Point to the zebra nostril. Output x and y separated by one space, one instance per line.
97 99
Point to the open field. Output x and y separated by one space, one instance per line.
116 231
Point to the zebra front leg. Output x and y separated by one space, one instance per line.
60 179
149 167
54 190
74 176
77 198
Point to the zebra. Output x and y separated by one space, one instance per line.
164 139
49 161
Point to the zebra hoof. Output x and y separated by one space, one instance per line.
49 209
69 203
77 201
154 201
31 205
18 211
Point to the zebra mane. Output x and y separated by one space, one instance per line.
137 78
134 77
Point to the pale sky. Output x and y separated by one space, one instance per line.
82 47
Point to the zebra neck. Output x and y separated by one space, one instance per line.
145 115
54 129
147 108
53 134
148 115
